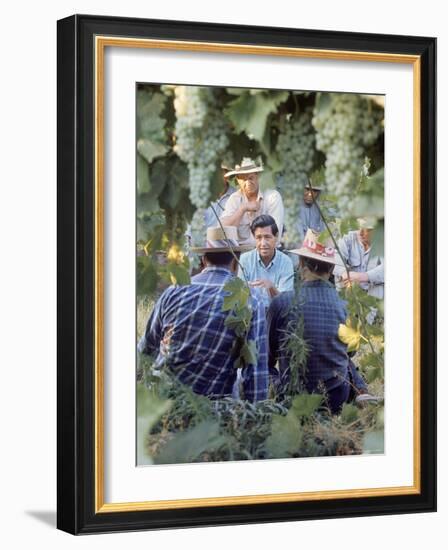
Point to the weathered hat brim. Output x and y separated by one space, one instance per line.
313 188
308 254
211 250
250 171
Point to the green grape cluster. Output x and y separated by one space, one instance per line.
295 151
197 231
344 127
201 138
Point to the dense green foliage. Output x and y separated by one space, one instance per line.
183 136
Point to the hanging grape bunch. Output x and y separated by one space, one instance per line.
295 151
201 138
345 124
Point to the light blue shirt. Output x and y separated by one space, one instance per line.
280 271
309 218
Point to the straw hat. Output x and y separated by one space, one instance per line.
247 166
220 241
368 222
316 251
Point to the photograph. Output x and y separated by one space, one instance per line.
260 276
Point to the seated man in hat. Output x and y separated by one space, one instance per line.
187 329
266 267
329 369
249 202
365 269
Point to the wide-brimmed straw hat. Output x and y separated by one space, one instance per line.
247 166
220 241
317 251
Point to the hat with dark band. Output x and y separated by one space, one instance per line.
221 241
247 166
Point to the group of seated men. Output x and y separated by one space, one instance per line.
187 331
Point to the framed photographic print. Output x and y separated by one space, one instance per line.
246 274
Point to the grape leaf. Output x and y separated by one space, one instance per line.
249 113
306 404
286 436
150 149
187 446
249 352
238 294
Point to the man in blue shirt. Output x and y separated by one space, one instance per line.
187 329
329 369
266 267
309 216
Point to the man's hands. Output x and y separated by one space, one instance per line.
355 277
262 283
267 284
251 206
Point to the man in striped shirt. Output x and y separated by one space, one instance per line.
187 329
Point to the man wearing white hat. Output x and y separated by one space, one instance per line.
329 369
249 201
187 329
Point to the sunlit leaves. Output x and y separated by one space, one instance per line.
349 335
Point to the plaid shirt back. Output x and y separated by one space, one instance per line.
186 330
322 311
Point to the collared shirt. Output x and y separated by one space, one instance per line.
270 203
279 270
309 218
322 310
187 332
219 206
359 259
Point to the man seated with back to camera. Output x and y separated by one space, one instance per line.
187 331
329 369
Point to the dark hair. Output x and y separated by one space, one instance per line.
316 266
220 258
264 220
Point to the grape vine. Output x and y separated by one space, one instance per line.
345 124
201 138
295 151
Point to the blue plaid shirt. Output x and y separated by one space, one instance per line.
186 330
322 311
